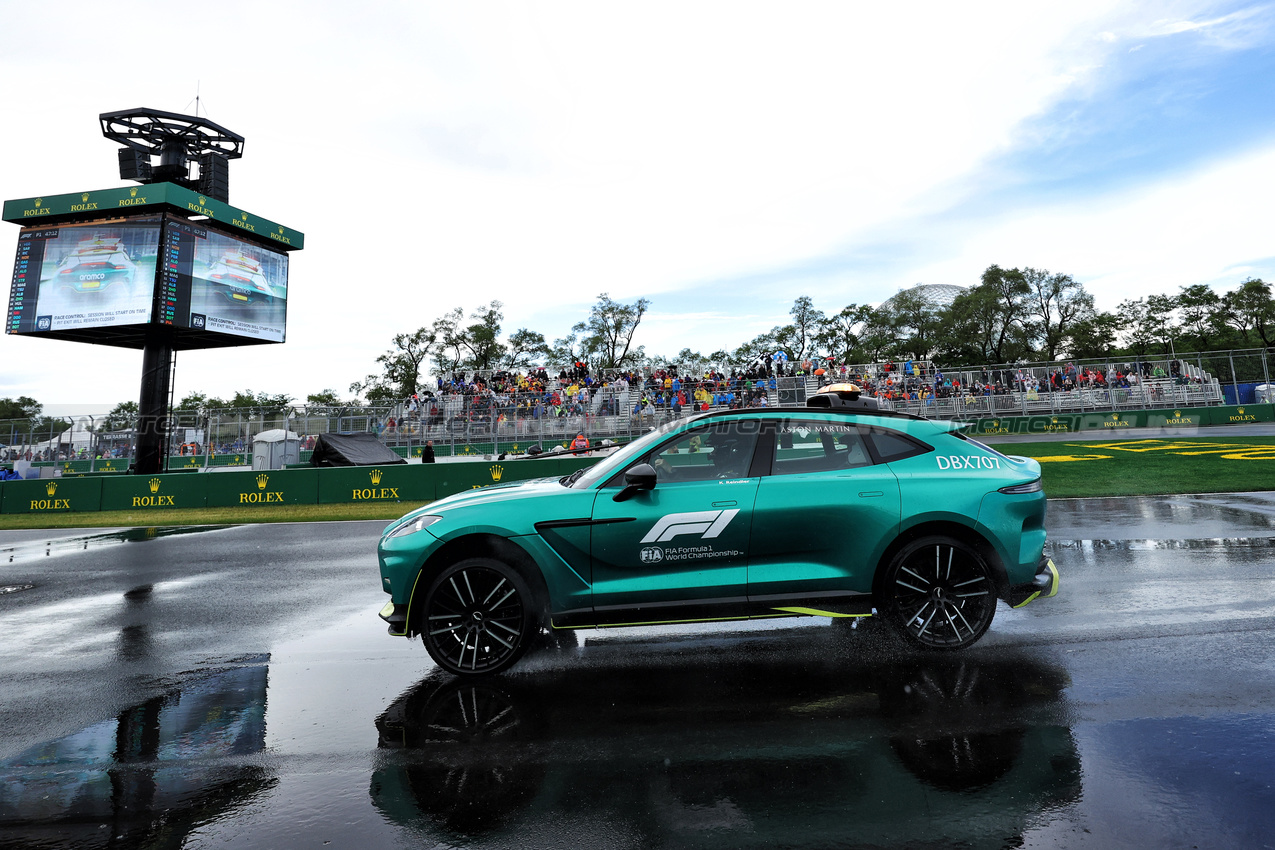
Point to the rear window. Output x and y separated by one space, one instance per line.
891 445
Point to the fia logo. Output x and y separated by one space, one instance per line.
43 323
652 554
197 321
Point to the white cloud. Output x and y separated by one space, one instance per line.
1211 225
442 155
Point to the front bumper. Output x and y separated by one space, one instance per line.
1043 586
396 616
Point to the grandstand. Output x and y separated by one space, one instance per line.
487 413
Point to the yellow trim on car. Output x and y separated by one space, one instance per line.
815 612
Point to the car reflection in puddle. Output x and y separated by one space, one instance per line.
657 752
147 777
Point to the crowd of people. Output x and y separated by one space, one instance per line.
478 400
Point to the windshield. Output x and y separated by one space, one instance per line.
609 465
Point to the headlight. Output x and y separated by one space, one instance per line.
1032 487
411 526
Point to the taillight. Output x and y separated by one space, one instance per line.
1017 489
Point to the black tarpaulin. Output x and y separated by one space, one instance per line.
352 450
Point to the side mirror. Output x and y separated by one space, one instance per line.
640 477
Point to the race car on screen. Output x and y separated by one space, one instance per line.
239 279
95 264
837 509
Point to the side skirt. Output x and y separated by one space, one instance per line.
770 607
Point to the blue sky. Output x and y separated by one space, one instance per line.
720 159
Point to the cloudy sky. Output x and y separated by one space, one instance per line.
720 159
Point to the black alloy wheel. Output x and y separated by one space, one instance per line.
938 593
478 617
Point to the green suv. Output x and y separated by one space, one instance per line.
834 510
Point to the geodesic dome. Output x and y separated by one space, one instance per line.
939 295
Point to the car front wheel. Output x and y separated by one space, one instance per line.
938 593
478 617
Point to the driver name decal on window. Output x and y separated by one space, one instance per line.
708 524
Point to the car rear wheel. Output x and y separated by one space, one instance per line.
478 617
938 593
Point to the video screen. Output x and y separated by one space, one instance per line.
107 281
216 282
80 276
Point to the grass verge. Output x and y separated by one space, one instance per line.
1152 467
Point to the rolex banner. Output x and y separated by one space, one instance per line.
143 496
52 495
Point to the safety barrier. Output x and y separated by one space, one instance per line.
76 492
1184 417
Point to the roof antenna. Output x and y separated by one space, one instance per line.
196 100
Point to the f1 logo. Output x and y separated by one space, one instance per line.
708 524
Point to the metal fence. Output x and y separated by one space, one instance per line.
486 421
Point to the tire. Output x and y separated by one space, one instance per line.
479 617
938 594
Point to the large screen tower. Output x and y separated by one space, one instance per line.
165 267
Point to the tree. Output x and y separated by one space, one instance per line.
328 398
806 325
1249 309
260 404
122 416
1095 335
841 335
23 418
400 367
23 407
1200 310
195 401
1010 333
1055 302
1148 324
525 349
449 351
759 347
482 337
607 335
913 323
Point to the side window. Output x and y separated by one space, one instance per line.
891 445
720 450
803 446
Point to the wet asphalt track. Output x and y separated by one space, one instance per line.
234 688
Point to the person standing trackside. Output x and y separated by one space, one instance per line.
427 452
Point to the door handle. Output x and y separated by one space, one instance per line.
730 504
868 494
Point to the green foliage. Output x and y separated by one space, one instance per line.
606 337
23 407
121 417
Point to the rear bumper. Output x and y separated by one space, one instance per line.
1043 586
